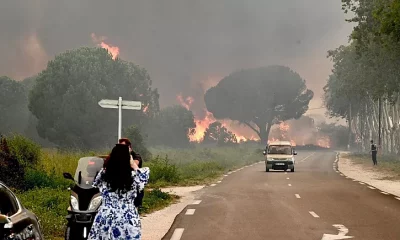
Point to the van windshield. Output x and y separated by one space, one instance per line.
280 149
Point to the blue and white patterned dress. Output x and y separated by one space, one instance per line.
118 217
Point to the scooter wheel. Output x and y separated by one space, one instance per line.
69 234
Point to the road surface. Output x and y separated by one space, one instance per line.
258 205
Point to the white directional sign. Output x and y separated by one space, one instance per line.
120 104
106 103
341 235
129 105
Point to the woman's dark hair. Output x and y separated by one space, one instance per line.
118 175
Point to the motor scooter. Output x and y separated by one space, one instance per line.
85 199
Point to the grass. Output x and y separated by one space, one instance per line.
48 197
200 165
386 163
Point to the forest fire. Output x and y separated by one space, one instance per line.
113 50
203 123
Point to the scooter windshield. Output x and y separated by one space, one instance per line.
87 169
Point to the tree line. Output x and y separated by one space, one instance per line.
364 85
59 106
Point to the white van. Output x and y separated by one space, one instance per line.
279 156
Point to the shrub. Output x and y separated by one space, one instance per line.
11 171
163 171
50 206
39 179
138 142
25 150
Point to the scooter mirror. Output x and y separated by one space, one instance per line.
68 176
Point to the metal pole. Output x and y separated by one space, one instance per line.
119 117
380 122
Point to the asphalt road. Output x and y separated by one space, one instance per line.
258 205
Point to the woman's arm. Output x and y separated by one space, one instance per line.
141 177
97 181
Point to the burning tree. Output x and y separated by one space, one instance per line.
259 98
217 133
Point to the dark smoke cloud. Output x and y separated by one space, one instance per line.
180 42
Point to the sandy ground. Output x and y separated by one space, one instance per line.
157 224
368 175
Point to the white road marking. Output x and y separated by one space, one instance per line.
361 183
229 173
297 196
302 160
371 187
341 174
285 172
219 181
385 193
190 211
337 171
212 185
289 185
398 198
287 178
177 234
196 202
225 175
341 235
314 214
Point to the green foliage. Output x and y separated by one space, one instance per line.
259 97
12 172
375 55
155 200
13 106
25 150
65 96
172 127
138 141
17 153
50 206
162 171
219 135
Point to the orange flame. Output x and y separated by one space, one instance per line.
204 123
113 50
146 108
187 102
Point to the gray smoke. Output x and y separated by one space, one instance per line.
180 42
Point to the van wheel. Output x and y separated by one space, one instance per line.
292 170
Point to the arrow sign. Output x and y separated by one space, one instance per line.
130 105
341 235
107 103
120 104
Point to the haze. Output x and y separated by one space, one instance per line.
183 44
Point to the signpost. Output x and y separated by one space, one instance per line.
120 104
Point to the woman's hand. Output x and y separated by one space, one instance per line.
133 163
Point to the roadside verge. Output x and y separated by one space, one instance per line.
357 168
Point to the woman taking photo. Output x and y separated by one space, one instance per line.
118 217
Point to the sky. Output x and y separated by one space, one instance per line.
186 45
